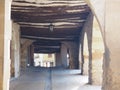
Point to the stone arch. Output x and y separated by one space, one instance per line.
98 9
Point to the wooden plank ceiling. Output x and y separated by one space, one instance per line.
35 17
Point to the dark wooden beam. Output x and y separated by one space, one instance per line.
46 50
48 38
44 47
47 33
53 10
46 43
49 2
37 18
52 39
57 26
70 20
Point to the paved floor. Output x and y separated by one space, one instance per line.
51 79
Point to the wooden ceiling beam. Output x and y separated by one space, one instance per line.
62 20
46 10
52 39
43 15
36 18
70 20
40 19
48 33
46 21
47 47
46 43
47 3
55 25
46 51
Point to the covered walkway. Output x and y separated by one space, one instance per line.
51 79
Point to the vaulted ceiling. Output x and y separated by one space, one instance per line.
35 17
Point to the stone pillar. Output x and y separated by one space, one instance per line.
74 54
58 60
89 30
111 76
89 37
15 49
31 55
64 55
28 56
81 56
25 52
12 71
97 54
81 53
24 58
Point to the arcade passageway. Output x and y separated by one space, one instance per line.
59 44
